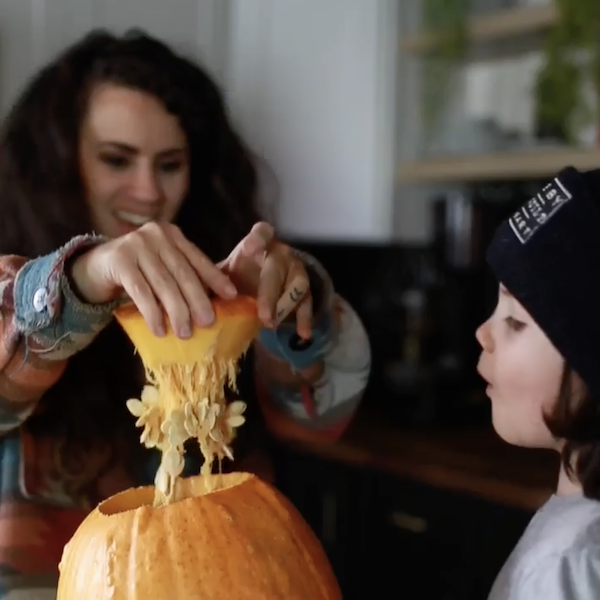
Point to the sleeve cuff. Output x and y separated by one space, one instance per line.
45 303
285 344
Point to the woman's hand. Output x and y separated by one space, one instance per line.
267 269
160 270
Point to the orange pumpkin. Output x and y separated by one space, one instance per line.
236 324
244 541
208 537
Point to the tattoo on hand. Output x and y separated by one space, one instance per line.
296 295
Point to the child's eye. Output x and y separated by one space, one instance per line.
514 324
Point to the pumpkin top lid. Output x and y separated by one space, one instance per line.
236 323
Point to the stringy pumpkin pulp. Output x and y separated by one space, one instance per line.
185 394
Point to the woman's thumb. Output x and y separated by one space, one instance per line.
259 238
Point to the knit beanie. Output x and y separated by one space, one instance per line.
547 255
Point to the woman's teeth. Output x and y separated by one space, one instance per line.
133 219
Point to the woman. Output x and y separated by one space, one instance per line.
121 176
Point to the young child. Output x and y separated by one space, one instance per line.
541 359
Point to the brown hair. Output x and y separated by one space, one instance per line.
42 206
576 420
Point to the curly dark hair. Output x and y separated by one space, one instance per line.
42 195
575 419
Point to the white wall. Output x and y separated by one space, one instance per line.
312 83
32 31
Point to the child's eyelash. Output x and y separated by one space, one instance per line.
514 324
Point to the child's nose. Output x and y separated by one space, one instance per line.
484 336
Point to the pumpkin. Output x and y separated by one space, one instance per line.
212 536
242 541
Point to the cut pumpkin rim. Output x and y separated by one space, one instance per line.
141 498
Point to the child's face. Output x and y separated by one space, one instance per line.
524 371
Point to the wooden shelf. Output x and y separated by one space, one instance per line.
467 460
498 25
487 167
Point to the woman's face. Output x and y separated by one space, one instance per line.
134 160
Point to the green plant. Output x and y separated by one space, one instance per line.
445 21
572 57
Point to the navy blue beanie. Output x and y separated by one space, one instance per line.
547 254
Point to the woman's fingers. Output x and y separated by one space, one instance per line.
134 284
251 249
270 284
284 287
296 296
163 272
190 287
258 240
166 289
176 274
210 274
304 317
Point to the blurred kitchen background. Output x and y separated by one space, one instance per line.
398 134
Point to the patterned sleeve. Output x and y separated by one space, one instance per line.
311 391
42 324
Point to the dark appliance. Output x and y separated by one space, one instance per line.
421 306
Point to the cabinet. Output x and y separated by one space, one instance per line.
332 498
389 537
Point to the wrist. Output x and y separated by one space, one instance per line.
79 271
285 344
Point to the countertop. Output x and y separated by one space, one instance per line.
469 460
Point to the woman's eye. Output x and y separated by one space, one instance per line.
171 167
117 162
514 324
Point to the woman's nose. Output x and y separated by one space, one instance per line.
484 336
146 186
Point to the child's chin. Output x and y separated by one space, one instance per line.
522 436
508 436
